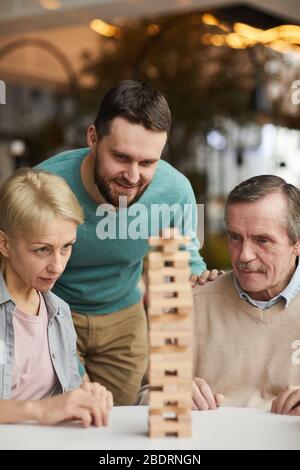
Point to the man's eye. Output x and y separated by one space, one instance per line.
44 249
67 245
233 237
263 241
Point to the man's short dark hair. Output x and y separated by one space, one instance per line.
257 187
136 101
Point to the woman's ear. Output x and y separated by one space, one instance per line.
4 244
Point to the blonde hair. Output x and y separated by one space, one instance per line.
30 198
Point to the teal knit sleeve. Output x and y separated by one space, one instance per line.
81 368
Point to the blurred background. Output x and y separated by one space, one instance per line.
230 71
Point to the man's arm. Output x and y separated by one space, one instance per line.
200 275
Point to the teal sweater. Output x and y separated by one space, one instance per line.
102 275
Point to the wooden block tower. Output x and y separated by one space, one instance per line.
170 336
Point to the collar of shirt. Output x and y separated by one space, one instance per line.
287 294
4 294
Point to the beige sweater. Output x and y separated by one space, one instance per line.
246 353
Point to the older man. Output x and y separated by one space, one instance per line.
247 322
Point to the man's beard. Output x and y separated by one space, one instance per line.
103 186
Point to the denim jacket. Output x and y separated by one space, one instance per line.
61 337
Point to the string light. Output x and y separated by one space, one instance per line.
282 38
105 29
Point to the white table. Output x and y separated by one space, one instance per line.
225 428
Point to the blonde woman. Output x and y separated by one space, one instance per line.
39 378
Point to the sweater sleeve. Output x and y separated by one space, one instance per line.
191 229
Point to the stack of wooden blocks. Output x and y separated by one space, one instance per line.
170 337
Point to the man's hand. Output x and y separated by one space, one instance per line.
205 276
287 401
90 407
203 396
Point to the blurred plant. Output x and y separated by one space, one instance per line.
200 81
46 139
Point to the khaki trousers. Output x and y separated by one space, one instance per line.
114 350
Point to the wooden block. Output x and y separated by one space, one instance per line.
169 234
154 312
184 310
169 348
180 387
165 337
168 273
182 432
169 409
173 302
182 415
158 377
158 311
155 263
181 323
170 287
157 241
168 426
160 380
179 259
170 364
171 247
179 357
180 263
163 311
160 426
159 399
167 247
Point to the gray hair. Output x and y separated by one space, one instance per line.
257 187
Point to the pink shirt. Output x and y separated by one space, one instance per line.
33 375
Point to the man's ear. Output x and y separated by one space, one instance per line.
92 138
297 248
4 244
